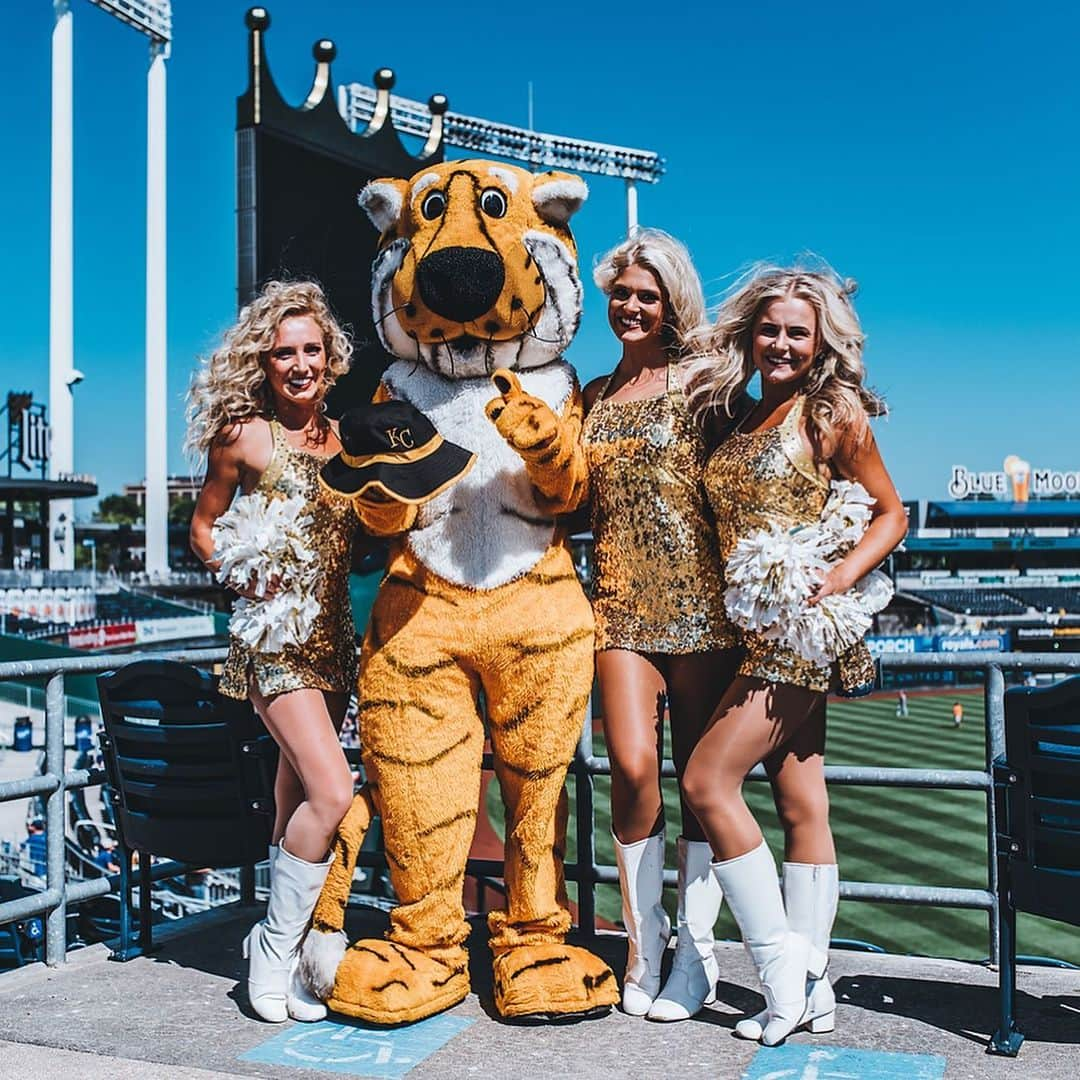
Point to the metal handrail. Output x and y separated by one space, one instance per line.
55 782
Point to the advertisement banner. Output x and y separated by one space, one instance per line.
170 629
899 643
990 641
102 637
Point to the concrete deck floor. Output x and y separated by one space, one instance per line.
183 1013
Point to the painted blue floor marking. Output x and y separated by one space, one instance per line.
800 1062
357 1049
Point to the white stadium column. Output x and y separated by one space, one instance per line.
631 207
156 510
61 291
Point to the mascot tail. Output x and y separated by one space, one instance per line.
326 943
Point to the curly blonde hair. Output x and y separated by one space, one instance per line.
231 385
838 405
669 262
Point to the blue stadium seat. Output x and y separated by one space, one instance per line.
191 772
1037 798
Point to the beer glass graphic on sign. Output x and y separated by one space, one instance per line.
1019 472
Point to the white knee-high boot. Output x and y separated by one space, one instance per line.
694 971
782 958
811 895
641 879
301 1003
273 945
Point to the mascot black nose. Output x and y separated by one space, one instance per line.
460 283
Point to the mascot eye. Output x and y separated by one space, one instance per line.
493 203
433 205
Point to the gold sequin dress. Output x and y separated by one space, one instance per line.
327 660
755 479
657 586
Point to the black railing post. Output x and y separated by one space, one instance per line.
1006 1040
994 705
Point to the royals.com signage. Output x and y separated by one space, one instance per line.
907 644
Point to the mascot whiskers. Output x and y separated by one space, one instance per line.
476 292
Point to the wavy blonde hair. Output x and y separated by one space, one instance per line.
231 385
838 405
669 262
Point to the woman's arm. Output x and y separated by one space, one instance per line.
888 521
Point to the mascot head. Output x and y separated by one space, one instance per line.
477 268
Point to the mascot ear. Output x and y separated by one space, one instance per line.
557 196
382 201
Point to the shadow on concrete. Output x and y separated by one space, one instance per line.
968 1011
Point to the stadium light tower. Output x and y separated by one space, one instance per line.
61 276
154 19
357 104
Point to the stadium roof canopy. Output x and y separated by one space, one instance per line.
972 511
20 488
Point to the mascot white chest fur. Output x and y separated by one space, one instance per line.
478 272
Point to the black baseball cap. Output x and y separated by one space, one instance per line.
393 447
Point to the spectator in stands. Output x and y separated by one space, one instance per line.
662 635
105 857
257 409
957 714
34 847
798 331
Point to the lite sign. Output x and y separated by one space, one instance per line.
29 435
1017 481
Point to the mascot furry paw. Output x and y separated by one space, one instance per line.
476 292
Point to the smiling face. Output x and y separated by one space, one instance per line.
636 308
296 364
785 341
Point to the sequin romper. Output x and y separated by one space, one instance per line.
755 479
327 660
657 586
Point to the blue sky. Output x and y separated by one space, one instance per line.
927 150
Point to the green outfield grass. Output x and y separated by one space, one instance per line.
882 834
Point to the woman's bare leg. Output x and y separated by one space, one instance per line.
754 720
288 791
695 684
302 726
797 775
632 690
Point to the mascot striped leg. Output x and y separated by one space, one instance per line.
537 704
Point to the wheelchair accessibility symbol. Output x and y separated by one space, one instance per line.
354 1049
800 1062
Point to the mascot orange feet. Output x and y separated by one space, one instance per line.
552 981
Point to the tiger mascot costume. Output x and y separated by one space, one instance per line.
476 292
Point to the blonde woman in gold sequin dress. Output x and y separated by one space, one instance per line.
257 410
799 331
661 633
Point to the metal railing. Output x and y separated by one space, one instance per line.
55 783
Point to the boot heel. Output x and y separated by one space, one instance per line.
822 1025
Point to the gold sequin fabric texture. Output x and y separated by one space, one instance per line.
327 660
761 478
657 585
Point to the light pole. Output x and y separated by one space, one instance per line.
91 543
153 18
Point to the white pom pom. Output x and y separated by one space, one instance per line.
256 541
772 574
